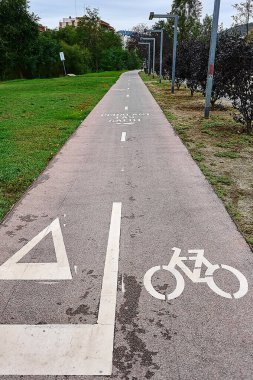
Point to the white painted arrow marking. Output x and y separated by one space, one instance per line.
12 269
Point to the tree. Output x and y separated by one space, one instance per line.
206 28
78 60
47 56
239 87
19 37
189 12
96 38
244 13
68 34
113 59
137 32
192 63
89 34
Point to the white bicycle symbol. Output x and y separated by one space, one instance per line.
194 275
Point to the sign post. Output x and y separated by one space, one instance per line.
211 62
62 57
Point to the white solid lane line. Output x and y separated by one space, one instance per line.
70 350
106 314
123 137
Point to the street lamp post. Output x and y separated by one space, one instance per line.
153 15
161 50
209 84
151 39
147 43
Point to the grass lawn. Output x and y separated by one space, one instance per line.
223 153
36 118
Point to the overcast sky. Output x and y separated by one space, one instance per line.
121 14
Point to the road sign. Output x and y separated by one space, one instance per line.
62 56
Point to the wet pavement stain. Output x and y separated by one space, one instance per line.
82 309
18 228
135 350
10 233
132 216
28 218
84 296
23 240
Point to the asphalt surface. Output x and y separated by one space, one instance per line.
165 203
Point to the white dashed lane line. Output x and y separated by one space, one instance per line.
123 137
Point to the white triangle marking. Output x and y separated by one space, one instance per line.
13 270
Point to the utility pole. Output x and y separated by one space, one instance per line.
152 15
209 84
149 53
161 56
161 51
151 39
174 55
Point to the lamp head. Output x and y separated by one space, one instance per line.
151 15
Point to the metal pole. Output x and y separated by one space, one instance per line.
149 55
154 59
65 72
209 84
149 58
161 50
161 56
174 55
151 39
151 17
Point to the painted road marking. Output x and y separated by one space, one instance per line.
125 118
123 284
70 350
12 269
48 282
123 137
194 276
126 108
128 96
125 123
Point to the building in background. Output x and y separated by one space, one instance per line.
70 21
42 28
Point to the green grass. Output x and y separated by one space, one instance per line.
36 118
227 154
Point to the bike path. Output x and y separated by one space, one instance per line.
123 171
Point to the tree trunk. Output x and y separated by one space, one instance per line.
21 76
249 127
213 103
